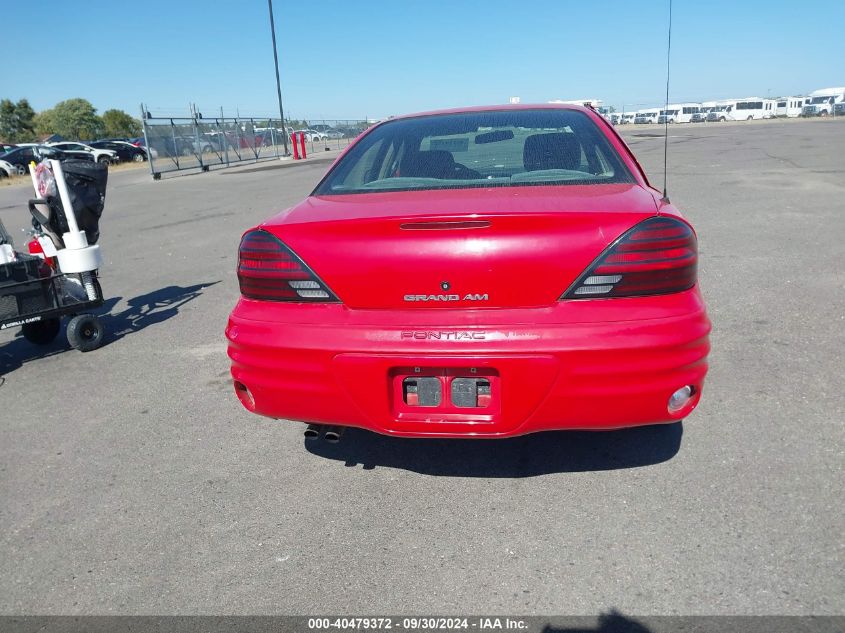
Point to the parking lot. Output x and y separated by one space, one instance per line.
134 482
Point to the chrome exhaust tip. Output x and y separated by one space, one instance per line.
312 432
333 434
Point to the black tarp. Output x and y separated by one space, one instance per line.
86 183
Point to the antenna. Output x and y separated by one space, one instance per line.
665 197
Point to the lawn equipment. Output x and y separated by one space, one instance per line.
58 276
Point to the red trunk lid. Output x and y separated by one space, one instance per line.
463 248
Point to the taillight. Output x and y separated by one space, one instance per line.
270 271
658 256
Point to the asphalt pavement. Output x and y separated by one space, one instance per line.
133 482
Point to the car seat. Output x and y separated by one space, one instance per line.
555 150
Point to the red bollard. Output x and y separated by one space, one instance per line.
295 148
302 143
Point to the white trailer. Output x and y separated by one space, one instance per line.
703 111
646 116
823 102
596 104
754 108
678 113
789 107
722 111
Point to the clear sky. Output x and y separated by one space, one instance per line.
373 58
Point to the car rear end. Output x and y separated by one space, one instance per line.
411 307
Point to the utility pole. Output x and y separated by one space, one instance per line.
278 83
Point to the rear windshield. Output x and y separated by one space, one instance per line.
478 149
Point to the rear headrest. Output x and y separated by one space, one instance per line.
435 163
555 150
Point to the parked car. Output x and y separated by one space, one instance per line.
21 156
701 115
126 152
140 142
192 145
102 156
313 135
494 267
169 146
7 169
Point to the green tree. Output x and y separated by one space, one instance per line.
119 123
16 121
73 119
45 123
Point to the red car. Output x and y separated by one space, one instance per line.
483 272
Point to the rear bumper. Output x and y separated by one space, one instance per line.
577 365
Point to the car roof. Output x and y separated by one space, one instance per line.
496 108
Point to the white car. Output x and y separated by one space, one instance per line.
313 135
7 169
105 156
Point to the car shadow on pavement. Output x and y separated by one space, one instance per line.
613 622
141 312
151 308
19 351
524 456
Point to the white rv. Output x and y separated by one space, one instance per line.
678 113
789 106
822 102
754 108
646 116
703 111
722 111
595 104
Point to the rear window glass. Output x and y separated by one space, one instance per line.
478 149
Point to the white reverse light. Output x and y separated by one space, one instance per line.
313 294
603 279
593 290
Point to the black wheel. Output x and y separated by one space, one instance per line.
103 160
85 332
721 119
42 332
138 158
823 113
20 169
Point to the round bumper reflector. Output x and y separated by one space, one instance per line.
680 398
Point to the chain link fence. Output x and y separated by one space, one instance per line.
197 143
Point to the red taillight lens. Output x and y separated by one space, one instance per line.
270 271
658 256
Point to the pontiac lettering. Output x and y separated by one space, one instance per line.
425 335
